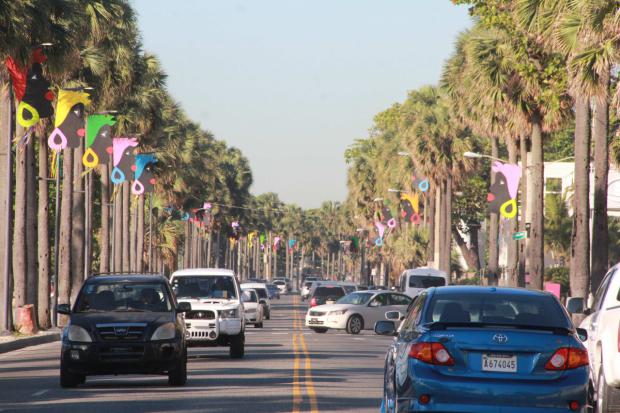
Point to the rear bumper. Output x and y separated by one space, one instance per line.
464 395
126 358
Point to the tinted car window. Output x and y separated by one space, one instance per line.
398 299
426 281
496 308
100 297
262 293
413 318
204 287
253 297
334 292
380 300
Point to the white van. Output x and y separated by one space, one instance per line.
413 282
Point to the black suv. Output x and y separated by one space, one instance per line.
124 324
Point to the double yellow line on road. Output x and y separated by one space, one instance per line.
300 349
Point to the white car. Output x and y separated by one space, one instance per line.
217 317
282 286
357 311
263 296
305 290
253 308
602 328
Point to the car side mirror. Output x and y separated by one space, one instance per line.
393 315
63 309
575 305
184 307
582 333
385 328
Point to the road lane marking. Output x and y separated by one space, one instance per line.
308 378
299 347
296 387
40 393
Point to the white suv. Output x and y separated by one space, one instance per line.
602 326
217 317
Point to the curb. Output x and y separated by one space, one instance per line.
29 341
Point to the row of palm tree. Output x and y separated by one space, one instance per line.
96 44
525 70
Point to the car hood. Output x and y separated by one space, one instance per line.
91 319
210 303
331 307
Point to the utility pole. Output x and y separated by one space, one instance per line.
54 289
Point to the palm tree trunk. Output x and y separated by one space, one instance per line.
117 238
209 246
429 217
580 240
133 230
31 224
5 187
104 243
513 259
43 313
447 230
522 227
537 256
187 249
600 229
438 223
126 200
140 236
493 241
19 230
77 236
88 233
64 246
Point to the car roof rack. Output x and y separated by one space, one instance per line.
98 274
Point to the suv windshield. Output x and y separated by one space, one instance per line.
119 297
204 286
496 309
355 298
426 281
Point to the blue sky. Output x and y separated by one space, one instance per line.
292 83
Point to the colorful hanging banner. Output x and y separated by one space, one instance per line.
502 195
144 180
99 144
69 123
123 158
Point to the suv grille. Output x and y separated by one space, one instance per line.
121 331
200 315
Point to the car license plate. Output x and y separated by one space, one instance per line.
503 363
314 320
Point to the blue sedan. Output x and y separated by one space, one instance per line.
485 349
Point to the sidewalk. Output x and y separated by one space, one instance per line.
16 342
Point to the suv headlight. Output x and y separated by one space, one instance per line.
77 333
226 314
337 312
164 332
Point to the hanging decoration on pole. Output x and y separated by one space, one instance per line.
420 183
502 195
31 89
98 140
411 207
123 158
69 123
380 232
144 181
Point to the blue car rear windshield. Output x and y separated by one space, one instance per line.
496 309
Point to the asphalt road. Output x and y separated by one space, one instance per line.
287 368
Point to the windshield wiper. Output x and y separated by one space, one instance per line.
129 310
442 325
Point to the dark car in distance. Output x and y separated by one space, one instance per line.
124 324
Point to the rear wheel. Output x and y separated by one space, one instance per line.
320 330
178 375
68 379
237 346
355 324
258 325
603 394
266 312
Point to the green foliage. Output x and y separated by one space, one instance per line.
559 275
470 205
558 226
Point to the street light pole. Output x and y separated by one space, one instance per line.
54 290
5 328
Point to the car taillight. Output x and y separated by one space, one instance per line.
431 353
567 358
313 302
